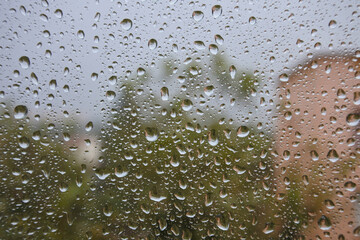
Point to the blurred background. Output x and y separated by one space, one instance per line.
179 120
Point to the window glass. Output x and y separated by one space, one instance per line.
179 119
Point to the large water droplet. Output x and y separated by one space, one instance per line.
164 93
20 111
198 15
24 62
126 24
324 223
350 186
24 142
216 11
353 119
213 138
232 71
332 155
151 134
186 105
242 131
152 44
284 77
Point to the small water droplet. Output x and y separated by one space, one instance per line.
89 126
213 138
110 95
58 13
213 49
314 155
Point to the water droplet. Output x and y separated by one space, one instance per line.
332 24
252 20
81 34
219 40
269 228
314 155
232 71
121 171
53 84
222 223
20 112
357 98
186 105
199 45
151 134
209 90
24 142
353 119
126 24
164 93
329 204
324 223
63 187
141 72
332 155
110 95
284 77
243 131
24 62
216 11
350 186
213 49
112 80
155 196
89 126
198 16
152 44
213 138
107 210
58 13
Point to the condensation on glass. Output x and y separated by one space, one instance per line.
179 119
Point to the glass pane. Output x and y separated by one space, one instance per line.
179 119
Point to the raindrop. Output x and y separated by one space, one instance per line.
151 134
353 119
186 105
121 171
126 24
24 142
152 44
332 155
314 155
324 223
110 95
89 126
216 11
213 138
284 77
164 93
24 62
20 112
81 34
58 13
213 49
198 16
232 71
252 20
243 131
332 24
350 186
